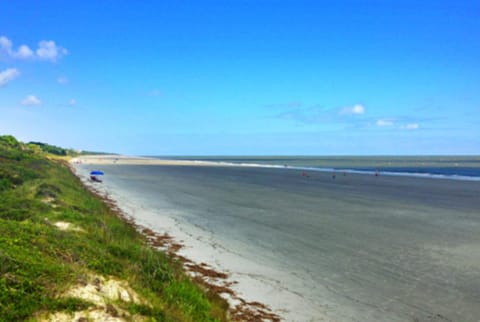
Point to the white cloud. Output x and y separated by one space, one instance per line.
5 44
384 123
356 109
24 52
412 126
31 100
7 75
62 80
47 50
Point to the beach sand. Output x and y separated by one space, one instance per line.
127 160
353 248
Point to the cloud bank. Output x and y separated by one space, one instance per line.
47 50
351 116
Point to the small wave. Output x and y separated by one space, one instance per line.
356 171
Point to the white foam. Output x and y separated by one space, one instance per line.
317 169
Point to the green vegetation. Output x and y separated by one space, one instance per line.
39 262
39 147
52 149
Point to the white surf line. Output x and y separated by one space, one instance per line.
341 170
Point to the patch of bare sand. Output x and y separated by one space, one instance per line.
93 315
49 201
103 293
66 226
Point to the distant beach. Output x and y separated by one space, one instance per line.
329 245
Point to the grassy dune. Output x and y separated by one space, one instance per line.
40 263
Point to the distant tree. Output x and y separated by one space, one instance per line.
50 148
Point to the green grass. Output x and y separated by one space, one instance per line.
39 262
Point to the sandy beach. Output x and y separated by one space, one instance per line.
247 285
129 160
354 248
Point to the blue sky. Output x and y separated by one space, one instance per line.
245 77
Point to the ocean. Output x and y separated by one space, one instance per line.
322 238
453 167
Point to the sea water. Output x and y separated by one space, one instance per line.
452 167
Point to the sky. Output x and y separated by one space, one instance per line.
251 77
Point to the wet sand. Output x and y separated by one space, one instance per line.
353 248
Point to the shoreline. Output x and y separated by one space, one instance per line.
213 279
